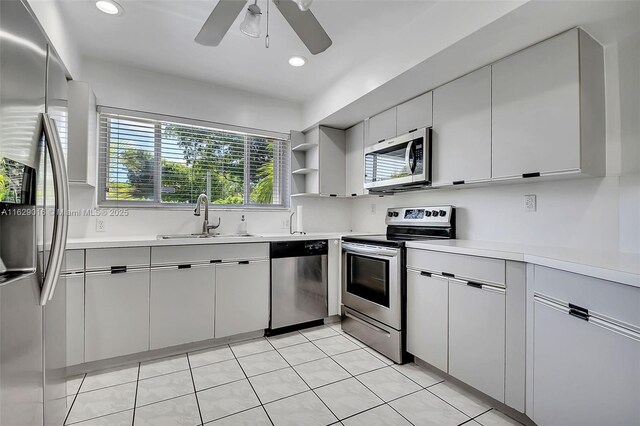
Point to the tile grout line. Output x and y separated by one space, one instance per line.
251 384
307 384
135 398
447 402
75 396
195 391
391 400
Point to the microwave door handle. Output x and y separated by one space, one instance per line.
409 158
60 218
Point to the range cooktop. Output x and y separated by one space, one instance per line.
412 224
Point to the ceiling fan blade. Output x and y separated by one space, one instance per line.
219 22
305 25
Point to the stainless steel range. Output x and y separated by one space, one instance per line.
374 276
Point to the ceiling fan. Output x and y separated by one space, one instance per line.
295 12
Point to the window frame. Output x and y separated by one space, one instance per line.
283 178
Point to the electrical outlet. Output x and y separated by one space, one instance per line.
100 225
373 208
530 203
285 223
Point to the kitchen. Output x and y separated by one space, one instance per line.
360 229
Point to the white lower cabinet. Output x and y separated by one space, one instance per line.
75 318
242 297
427 317
116 313
586 372
477 336
181 304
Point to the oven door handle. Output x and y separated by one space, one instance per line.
363 322
378 251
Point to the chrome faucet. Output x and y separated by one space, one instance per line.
202 198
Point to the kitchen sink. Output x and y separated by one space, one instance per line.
182 236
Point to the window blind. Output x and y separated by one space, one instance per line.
159 161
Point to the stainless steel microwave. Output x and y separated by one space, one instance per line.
401 163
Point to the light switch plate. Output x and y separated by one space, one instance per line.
530 203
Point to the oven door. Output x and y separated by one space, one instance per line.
371 282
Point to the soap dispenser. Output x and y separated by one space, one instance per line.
242 227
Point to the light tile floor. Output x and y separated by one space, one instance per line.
318 376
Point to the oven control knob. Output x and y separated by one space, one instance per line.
396 214
435 213
390 214
428 213
443 213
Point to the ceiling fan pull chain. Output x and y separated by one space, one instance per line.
266 38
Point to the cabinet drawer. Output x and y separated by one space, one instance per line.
177 255
134 257
465 267
73 261
618 301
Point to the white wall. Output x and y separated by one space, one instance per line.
595 213
118 85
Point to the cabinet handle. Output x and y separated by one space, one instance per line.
333 195
579 314
381 140
530 175
458 182
354 195
474 285
579 308
447 274
184 266
243 262
118 269
412 130
425 274
216 261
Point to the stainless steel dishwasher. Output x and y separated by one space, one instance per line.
298 282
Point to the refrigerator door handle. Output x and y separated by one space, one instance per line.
60 218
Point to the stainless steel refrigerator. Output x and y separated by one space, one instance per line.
33 222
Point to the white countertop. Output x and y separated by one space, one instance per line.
152 240
613 266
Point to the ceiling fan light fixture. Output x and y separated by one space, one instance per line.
303 5
251 24
297 61
109 7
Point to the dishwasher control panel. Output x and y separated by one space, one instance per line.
298 248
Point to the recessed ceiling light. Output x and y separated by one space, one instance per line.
297 61
109 7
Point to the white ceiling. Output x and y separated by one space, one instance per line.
158 35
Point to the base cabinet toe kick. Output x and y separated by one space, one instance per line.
556 346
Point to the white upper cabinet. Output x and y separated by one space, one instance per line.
382 126
83 142
414 114
548 109
355 160
332 161
461 145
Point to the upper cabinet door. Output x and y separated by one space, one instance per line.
462 129
355 159
382 126
536 109
332 161
414 114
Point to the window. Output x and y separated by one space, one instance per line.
148 160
